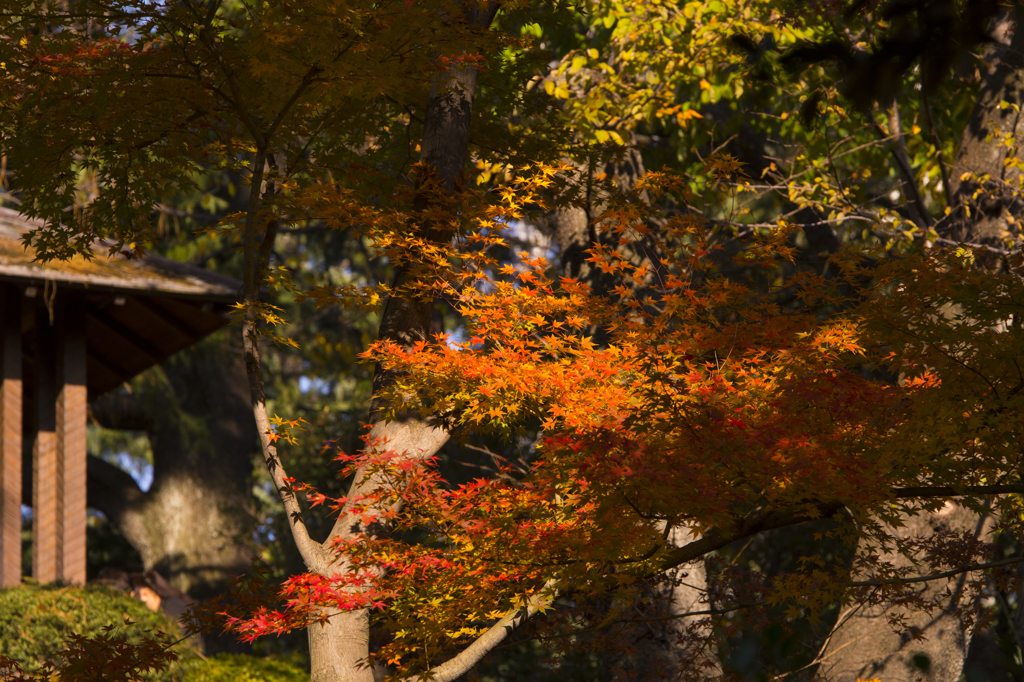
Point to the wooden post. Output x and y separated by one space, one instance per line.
44 453
10 435
71 448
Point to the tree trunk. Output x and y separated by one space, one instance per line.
663 643
192 525
866 647
338 649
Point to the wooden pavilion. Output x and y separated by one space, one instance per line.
69 332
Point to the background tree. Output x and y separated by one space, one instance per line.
194 523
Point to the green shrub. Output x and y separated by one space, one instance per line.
241 668
35 620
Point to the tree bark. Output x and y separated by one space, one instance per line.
338 648
866 647
981 207
663 643
191 525
339 645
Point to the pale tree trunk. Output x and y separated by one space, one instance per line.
342 641
193 524
865 646
338 649
670 637
660 643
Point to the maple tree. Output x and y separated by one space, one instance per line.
695 383
713 407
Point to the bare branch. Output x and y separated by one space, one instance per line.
899 152
313 554
938 576
947 187
752 525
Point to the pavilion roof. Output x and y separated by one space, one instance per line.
151 273
138 312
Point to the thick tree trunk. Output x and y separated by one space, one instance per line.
337 647
192 524
662 644
866 647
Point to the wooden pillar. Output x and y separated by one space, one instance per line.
10 435
58 455
71 447
44 451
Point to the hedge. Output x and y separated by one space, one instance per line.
35 620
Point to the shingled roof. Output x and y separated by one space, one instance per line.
138 312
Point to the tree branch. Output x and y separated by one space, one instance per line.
899 152
958 491
938 576
456 667
497 633
947 187
313 554
752 525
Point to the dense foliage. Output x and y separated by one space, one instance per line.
713 405
37 622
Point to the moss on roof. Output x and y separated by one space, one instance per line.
150 273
